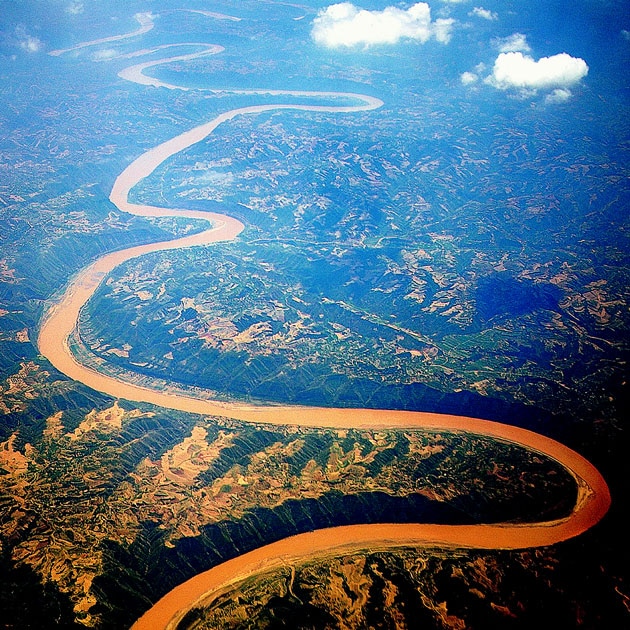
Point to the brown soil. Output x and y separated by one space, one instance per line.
593 495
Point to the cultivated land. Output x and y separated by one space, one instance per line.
451 250
593 497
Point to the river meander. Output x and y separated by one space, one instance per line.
593 498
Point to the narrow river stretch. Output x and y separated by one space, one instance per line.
61 319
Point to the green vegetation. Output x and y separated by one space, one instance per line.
429 589
99 503
449 252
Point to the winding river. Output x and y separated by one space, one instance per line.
593 498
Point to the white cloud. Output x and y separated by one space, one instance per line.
105 54
514 43
344 24
28 42
484 14
467 78
625 34
516 70
75 8
559 95
442 28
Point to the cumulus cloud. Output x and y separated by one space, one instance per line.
468 78
514 43
625 34
345 25
485 14
559 95
516 70
27 42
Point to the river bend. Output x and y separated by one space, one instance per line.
59 322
